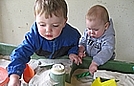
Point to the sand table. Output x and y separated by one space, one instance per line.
124 79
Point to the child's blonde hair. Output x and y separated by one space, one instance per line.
49 7
98 12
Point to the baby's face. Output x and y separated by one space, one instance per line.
51 27
95 28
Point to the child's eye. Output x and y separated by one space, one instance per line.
55 25
93 29
89 28
42 25
96 29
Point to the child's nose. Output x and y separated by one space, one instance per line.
48 29
91 31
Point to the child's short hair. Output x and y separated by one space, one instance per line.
49 7
99 12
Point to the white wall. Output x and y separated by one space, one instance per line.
16 17
0 24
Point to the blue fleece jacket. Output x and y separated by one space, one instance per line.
65 44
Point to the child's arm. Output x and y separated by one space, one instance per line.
21 55
107 47
14 80
82 44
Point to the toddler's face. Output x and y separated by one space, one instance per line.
50 27
95 28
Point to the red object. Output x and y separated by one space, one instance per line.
3 76
28 73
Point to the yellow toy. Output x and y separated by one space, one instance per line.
97 82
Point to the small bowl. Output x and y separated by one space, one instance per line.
3 76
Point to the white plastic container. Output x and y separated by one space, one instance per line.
57 74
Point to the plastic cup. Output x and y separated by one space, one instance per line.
57 74
28 73
3 77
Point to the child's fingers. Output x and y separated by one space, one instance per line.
92 68
81 55
80 60
76 61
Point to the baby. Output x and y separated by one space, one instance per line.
98 39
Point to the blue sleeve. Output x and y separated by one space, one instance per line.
21 55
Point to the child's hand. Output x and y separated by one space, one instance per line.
76 59
81 54
14 80
93 67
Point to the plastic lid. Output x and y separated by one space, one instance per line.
58 69
3 76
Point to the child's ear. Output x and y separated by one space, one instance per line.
66 20
107 25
